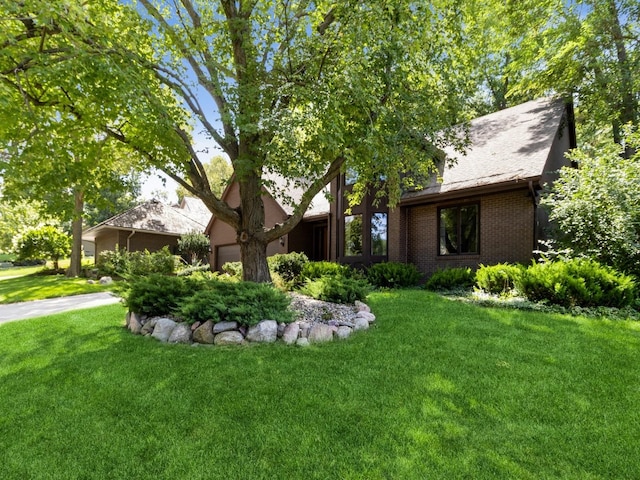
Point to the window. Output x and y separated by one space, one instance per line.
352 235
459 230
379 234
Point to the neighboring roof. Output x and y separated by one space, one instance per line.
196 209
288 194
507 146
151 217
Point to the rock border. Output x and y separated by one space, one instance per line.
310 329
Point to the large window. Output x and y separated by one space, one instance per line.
459 230
379 234
352 235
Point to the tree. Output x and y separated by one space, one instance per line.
597 206
15 218
218 172
46 242
297 89
194 245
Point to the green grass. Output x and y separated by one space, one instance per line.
37 287
437 389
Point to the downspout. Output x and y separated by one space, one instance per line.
133 232
535 215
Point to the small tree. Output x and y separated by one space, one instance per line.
46 242
195 246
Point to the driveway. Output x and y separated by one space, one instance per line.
38 308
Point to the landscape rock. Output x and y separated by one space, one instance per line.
361 324
105 281
230 337
134 324
224 327
163 329
291 333
320 332
180 334
343 332
362 307
302 342
281 327
370 317
304 329
264 332
195 325
148 326
204 333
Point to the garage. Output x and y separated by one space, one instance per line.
227 253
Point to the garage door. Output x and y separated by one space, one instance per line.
227 253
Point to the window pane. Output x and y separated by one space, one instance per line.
352 235
379 234
448 231
469 229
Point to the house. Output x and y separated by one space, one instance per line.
151 226
483 210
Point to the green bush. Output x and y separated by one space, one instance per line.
314 270
195 247
498 279
337 289
233 269
190 270
247 303
46 242
157 294
577 282
288 265
113 262
393 275
122 263
450 279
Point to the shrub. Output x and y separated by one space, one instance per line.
337 289
247 303
451 278
577 282
393 275
122 263
113 262
497 279
185 272
46 242
233 269
288 265
313 270
195 246
156 294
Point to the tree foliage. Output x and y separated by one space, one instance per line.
597 206
219 173
46 242
195 246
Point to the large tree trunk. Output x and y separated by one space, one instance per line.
75 266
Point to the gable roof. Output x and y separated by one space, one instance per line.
195 209
294 191
151 217
508 146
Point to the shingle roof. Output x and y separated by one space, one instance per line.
152 216
506 146
288 193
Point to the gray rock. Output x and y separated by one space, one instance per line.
304 329
362 307
342 323
105 281
361 324
148 326
281 327
265 331
302 342
320 332
231 337
134 323
368 316
224 327
195 325
204 333
291 333
181 334
343 332
163 329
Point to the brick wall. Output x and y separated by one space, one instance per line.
506 233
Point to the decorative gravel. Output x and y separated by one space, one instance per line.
311 310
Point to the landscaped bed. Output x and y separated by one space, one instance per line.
439 389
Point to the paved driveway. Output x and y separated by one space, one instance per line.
38 308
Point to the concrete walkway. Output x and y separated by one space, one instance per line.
37 308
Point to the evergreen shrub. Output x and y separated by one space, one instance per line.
314 270
288 265
337 289
498 279
451 278
393 275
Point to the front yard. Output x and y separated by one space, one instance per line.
437 389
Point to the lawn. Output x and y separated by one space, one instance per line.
437 389
37 287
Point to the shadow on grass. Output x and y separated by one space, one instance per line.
435 389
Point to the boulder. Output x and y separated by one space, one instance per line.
265 331
362 307
361 324
181 333
134 323
163 329
320 332
195 325
204 333
231 337
148 326
281 327
304 329
343 332
105 281
302 342
291 333
368 316
224 327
